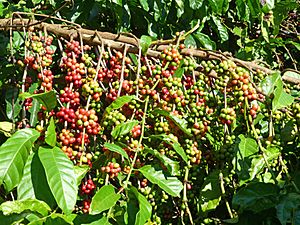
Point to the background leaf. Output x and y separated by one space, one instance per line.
47 99
145 42
256 197
50 136
171 185
124 128
210 194
116 148
104 199
144 207
19 206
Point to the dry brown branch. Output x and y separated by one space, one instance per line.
118 42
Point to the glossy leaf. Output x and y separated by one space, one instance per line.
19 206
104 199
205 41
102 221
175 145
195 4
171 165
281 99
181 123
34 109
124 128
145 5
7 128
256 197
221 29
50 136
144 207
171 185
210 194
60 176
119 102
145 42
13 155
58 219
116 148
47 99
247 146
80 172
270 82
190 41
13 107
287 206
34 183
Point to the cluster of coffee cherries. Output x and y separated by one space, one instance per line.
87 119
69 96
227 115
193 151
112 169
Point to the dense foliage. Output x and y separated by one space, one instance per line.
92 135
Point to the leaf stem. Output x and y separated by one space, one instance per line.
223 194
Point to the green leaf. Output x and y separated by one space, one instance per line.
281 99
287 205
259 163
7 128
195 4
47 99
12 219
102 221
286 133
205 41
179 73
179 8
247 146
171 185
210 194
270 82
34 109
144 207
176 146
36 2
19 206
218 5
172 166
50 136
116 148
119 102
265 30
181 123
242 9
297 45
145 43
60 176
58 219
256 197
34 183
13 155
13 106
144 4
123 128
104 199
80 172
292 74
190 41
221 29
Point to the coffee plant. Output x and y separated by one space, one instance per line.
102 130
